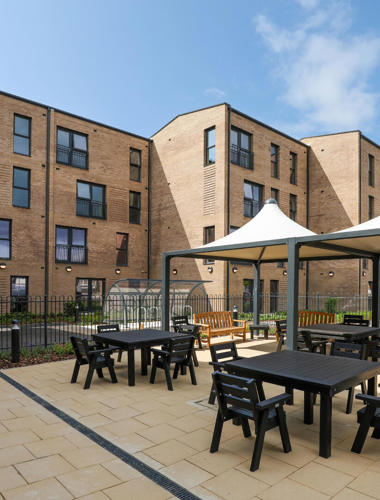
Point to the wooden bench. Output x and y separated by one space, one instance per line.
214 324
307 318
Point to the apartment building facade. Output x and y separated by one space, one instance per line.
73 202
83 204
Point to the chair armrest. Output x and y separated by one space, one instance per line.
370 400
105 351
273 402
160 351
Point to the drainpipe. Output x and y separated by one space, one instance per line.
149 214
47 202
228 199
360 206
307 219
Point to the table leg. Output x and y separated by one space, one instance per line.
266 331
290 391
325 425
144 361
308 416
251 329
131 366
372 386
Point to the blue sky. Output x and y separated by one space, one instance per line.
306 67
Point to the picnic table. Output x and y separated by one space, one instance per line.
130 340
311 373
338 331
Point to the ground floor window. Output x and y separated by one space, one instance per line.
273 296
19 293
248 295
89 293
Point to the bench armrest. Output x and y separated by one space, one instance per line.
273 402
370 400
243 321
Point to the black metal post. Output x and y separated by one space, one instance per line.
256 294
292 306
45 320
165 302
235 312
76 312
375 291
15 341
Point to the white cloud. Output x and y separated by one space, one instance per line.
215 92
325 71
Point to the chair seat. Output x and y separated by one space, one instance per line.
102 360
249 414
375 422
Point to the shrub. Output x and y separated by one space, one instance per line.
331 304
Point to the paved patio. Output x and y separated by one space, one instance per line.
42 456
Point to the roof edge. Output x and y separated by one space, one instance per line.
332 133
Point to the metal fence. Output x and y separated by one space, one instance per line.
47 321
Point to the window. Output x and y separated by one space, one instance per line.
293 206
208 237
134 207
274 194
273 297
253 198
135 164
365 264
274 158
238 263
210 137
91 200
280 264
89 292
70 245
371 206
5 239
121 249
249 293
241 148
293 168
21 187
19 293
21 135
72 148
371 170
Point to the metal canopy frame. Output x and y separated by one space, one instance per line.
327 242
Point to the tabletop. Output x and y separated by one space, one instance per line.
305 370
340 330
135 337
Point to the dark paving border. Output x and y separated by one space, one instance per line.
152 474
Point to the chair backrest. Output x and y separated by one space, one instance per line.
220 353
374 350
181 348
348 350
178 321
352 319
236 395
281 325
81 347
108 328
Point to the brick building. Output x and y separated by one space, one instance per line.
83 204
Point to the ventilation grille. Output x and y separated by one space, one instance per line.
5 185
209 180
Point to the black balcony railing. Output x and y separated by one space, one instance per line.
252 208
90 208
71 156
241 157
71 254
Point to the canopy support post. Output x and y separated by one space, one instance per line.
165 301
375 291
292 306
256 294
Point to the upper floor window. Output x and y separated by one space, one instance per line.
274 194
135 164
21 187
91 200
241 153
293 168
371 170
134 207
208 237
274 159
5 239
121 249
70 245
21 135
371 207
253 198
210 141
293 206
72 148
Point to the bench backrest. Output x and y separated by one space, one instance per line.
216 319
307 318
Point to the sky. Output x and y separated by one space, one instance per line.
306 67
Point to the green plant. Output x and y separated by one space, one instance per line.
330 305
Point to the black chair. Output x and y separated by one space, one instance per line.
111 328
181 325
178 351
352 319
220 354
305 342
354 351
238 398
369 416
96 359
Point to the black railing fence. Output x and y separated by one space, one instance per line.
47 321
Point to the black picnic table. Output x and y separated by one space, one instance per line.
311 373
339 331
130 340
